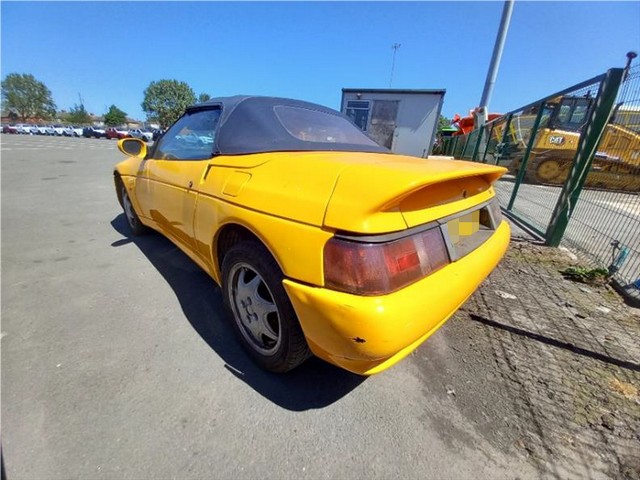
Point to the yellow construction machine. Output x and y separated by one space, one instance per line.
616 165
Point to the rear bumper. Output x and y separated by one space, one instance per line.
367 335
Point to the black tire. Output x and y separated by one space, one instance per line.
250 261
137 228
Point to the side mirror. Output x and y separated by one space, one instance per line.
133 147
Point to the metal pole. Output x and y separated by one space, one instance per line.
505 136
454 143
587 146
395 48
527 154
486 148
497 54
467 137
474 155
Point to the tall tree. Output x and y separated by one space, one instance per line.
27 96
78 115
114 117
166 100
203 97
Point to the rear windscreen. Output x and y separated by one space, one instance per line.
320 127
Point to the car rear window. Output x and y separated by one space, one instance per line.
315 126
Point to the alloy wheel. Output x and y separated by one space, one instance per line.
254 309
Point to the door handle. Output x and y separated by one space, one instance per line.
190 184
206 172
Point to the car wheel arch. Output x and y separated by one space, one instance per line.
118 181
230 234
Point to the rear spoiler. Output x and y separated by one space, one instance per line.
385 197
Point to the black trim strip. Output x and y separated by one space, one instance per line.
389 237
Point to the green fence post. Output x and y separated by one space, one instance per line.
505 134
474 155
486 149
587 147
452 147
466 144
525 159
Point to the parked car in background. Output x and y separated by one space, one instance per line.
373 258
73 131
58 130
95 132
26 129
117 133
9 129
142 134
46 130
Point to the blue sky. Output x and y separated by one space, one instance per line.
109 52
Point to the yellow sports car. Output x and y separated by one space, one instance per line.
322 241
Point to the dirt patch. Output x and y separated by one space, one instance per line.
544 368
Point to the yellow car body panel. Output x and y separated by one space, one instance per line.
167 196
295 186
296 247
396 192
366 335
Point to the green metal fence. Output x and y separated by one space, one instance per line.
605 222
573 161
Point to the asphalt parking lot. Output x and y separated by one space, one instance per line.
117 361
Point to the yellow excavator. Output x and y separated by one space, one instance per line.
616 165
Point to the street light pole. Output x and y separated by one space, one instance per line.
495 59
395 48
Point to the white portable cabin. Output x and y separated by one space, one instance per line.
405 121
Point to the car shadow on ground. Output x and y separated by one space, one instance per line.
315 384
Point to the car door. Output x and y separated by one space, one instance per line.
170 175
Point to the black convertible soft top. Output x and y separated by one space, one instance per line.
253 124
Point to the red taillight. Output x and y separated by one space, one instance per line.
379 268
